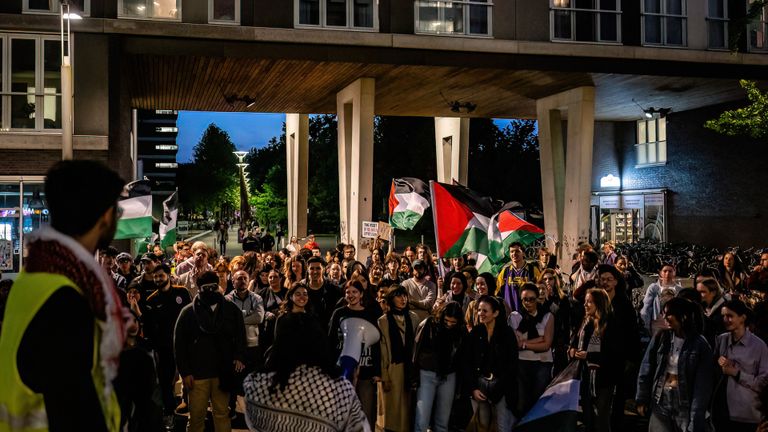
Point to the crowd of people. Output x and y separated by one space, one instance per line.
456 349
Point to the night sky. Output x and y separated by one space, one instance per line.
247 130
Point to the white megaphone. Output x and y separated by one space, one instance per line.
359 334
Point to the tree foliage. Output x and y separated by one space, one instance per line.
323 196
751 120
209 181
268 193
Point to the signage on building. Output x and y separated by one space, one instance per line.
633 201
654 199
610 202
370 229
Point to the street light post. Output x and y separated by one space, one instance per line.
67 102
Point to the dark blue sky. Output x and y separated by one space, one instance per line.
247 130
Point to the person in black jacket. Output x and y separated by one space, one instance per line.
436 358
490 365
209 344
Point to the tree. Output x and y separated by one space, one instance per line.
323 178
209 181
751 120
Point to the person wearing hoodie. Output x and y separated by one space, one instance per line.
209 343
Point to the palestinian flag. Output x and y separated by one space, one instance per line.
168 224
408 198
557 409
136 208
461 220
505 228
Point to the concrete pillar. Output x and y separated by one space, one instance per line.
452 147
566 183
355 106
297 149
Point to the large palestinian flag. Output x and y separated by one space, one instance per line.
136 207
505 228
408 198
557 409
461 220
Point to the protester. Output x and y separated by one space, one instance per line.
557 303
713 301
512 277
209 343
490 367
200 265
436 359
63 328
397 328
294 270
272 296
457 291
301 389
323 294
422 292
675 380
596 346
485 283
743 362
534 328
651 311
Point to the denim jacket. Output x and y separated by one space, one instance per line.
695 369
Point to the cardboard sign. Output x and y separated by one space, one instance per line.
370 229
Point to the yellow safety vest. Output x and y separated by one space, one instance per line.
21 409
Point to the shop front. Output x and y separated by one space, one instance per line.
628 216
22 210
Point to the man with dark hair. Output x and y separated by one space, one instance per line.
209 343
513 276
422 292
267 241
145 281
587 269
323 294
125 267
107 258
63 328
163 307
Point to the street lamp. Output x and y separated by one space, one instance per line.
240 155
66 81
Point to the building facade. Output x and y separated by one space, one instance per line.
508 59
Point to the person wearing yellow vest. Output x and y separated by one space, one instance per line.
63 329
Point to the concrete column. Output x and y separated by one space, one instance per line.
452 148
297 149
355 107
566 183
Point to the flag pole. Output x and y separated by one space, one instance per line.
434 223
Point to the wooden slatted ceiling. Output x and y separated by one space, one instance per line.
282 85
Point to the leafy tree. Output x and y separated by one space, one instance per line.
323 178
751 120
208 182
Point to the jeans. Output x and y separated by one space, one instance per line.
201 392
666 415
433 389
505 420
533 377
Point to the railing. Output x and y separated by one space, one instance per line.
470 18
585 25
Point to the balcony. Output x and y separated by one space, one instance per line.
454 18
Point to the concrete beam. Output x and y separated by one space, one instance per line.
355 105
297 153
452 148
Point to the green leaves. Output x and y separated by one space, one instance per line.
751 120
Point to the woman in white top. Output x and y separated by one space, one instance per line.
653 319
534 327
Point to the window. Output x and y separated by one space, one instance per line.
586 20
150 9
173 112
350 14
166 147
31 82
83 7
717 24
166 165
758 31
166 129
651 142
664 22
224 11
464 18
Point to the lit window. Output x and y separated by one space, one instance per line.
758 30
224 11
166 129
166 147
82 7
651 142
471 17
351 14
717 24
586 20
171 112
665 22
31 82
166 165
150 9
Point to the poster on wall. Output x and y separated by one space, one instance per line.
6 255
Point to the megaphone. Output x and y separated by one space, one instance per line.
359 334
